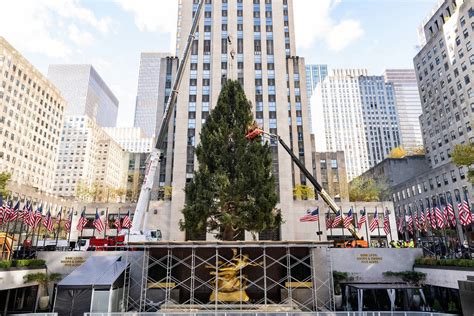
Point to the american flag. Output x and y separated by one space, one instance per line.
409 220
25 211
386 223
68 223
329 221
2 209
29 218
417 221
362 219
48 221
82 220
465 216
439 217
127 222
337 219
433 218
58 216
375 222
8 210
118 224
422 219
310 216
348 219
98 224
450 216
37 216
400 224
428 217
11 213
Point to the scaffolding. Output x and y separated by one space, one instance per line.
279 276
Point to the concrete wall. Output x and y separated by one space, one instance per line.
11 279
368 265
444 276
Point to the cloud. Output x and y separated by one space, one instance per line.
153 15
39 26
82 38
313 22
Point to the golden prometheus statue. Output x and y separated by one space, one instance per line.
231 283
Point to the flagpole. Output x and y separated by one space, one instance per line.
116 228
6 232
71 211
13 234
343 228
330 226
39 226
93 230
106 221
366 227
59 224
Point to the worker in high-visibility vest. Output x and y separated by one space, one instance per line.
411 244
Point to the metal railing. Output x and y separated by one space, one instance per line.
260 313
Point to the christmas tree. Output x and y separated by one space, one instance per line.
234 188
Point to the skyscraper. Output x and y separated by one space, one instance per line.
155 77
31 122
314 75
355 113
338 119
408 106
85 92
260 54
444 69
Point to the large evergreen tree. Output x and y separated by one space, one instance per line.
233 188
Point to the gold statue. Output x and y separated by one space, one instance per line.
231 283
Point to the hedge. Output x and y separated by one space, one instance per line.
21 263
445 262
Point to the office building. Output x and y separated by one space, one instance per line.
131 139
314 75
355 113
379 113
338 119
91 165
31 116
408 106
444 69
261 54
155 79
85 92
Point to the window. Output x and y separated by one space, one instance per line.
333 163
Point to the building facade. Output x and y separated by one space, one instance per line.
155 79
131 139
91 165
329 168
31 116
355 113
85 92
444 69
379 113
408 106
261 55
338 119
314 75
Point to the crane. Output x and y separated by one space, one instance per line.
254 131
138 232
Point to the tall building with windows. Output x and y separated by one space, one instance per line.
132 139
338 119
155 78
408 106
355 113
382 132
85 92
91 165
251 41
314 75
31 116
445 72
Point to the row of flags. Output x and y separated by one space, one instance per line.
348 219
10 212
435 218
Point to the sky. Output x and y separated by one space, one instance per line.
111 34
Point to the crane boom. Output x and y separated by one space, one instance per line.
139 219
324 195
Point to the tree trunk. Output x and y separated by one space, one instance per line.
228 233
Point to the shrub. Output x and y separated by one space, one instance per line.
5 264
445 262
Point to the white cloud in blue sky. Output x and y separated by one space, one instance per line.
111 34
